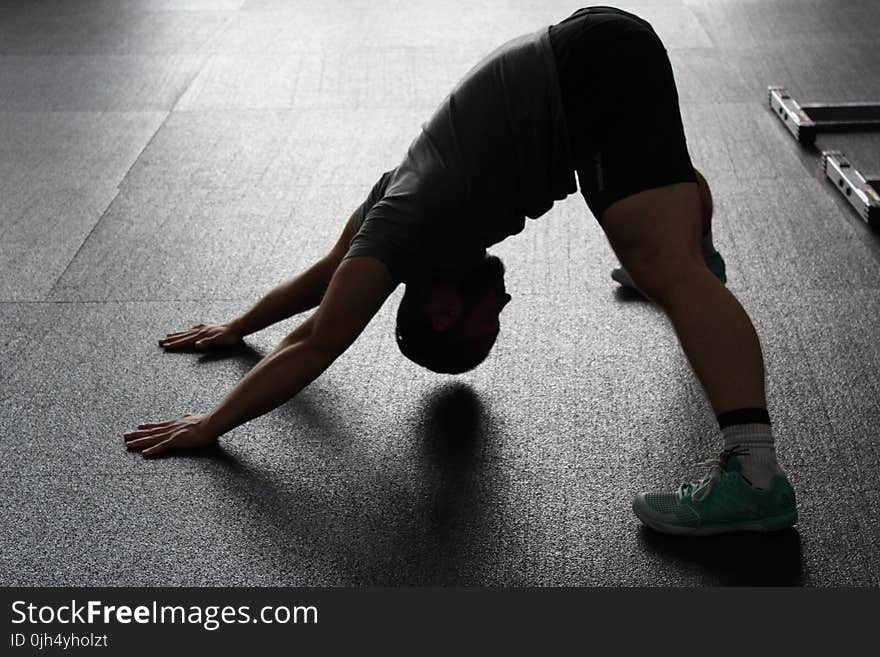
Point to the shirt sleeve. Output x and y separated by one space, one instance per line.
376 193
388 226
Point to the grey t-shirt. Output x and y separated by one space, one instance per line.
495 152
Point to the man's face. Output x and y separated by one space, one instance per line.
483 297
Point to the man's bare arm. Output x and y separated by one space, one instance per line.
358 289
356 292
298 294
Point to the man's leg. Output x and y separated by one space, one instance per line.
657 234
711 256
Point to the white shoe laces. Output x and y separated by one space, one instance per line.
699 490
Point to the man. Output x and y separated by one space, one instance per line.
593 95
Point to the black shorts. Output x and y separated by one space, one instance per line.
621 106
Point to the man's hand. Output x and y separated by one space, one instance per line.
157 437
358 289
203 337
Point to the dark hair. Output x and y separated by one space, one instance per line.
444 352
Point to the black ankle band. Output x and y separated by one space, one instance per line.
744 416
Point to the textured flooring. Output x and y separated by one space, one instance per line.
165 163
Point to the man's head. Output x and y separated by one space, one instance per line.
449 327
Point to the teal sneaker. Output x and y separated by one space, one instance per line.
723 501
713 259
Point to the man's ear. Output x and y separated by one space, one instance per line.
443 307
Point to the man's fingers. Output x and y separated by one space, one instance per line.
176 333
138 433
155 431
161 447
153 434
180 334
146 433
140 443
132 435
180 342
189 330
167 342
147 425
173 338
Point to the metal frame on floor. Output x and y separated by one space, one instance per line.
862 192
805 121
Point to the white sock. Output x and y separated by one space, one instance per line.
759 464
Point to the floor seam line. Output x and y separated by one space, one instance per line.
106 208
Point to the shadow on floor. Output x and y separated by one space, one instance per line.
243 352
451 431
461 520
444 521
364 526
741 559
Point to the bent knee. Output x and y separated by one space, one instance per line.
662 275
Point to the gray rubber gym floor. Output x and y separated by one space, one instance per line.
165 163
